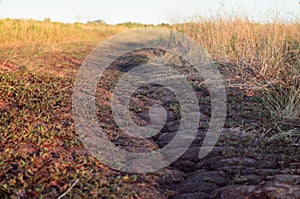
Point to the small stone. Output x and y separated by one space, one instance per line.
198 195
234 191
265 164
208 162
252 179
185 166
286 178
192 185
249 162
217 177
165 138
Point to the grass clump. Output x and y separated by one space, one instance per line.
263 57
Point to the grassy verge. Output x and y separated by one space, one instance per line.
262 60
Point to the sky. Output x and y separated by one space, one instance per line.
147 11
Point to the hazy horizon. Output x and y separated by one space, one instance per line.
154 12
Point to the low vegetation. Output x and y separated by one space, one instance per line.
38 64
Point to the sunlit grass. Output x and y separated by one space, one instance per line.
265 57
20 32
261 50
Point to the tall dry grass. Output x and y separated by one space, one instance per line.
26 43
266 57
18 32
260 50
